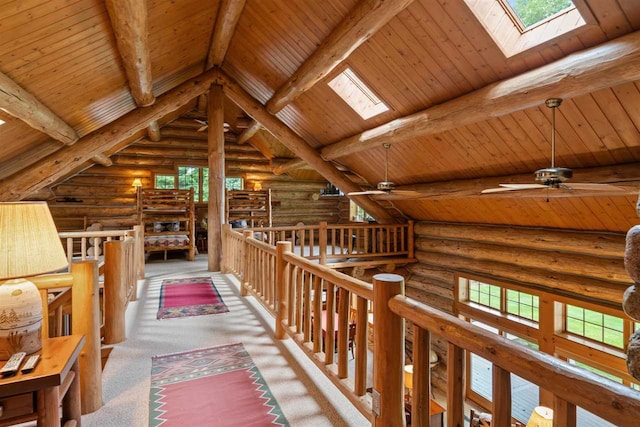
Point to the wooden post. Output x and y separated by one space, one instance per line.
411 240
226 249
115 293
388 351
501 407
85 320
245 263
281 288
421 400
323 242
455 385
215 212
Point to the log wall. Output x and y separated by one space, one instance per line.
587 266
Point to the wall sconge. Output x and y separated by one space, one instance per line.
137 182
541 417
408 379
257 186
30 246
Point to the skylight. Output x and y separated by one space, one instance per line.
354 92
532 12
1 122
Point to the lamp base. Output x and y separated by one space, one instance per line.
20 318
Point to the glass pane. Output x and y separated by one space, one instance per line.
205 185
165 181
596 326
234 183
189 177
530 12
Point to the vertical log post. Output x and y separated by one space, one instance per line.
362 322
322 242
455 385
421 400
215 209
227 253
115 293
388 350
410 240
246 264
501 407
281 288
138 258
85 320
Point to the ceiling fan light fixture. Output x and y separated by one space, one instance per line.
385 186
553 176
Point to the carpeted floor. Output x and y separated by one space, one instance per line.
305 396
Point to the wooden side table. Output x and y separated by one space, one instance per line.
36 395
436 412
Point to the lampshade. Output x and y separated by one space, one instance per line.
257 186
29 245
541 417
408 376
137 182
29 241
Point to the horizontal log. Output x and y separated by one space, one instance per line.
117 170
610 269
153 131
189 153
191 144
430 272
142 161
432 287
599 244
169 132
105 201
444 304
556 282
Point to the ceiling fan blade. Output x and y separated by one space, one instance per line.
513 187
596 187
366 193
201 128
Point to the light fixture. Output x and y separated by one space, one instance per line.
408 381
257 186
541 417
30 246
137 182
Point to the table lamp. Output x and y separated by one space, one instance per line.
29 245
541 417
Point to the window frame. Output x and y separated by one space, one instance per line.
199 192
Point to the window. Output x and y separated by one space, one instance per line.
357 214
484 294
595 326
234 183
165 181
354 92
519 25
197 178
523 305
532 12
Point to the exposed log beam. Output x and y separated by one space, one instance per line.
249 132
192 144
130 26
186 153
47 171
609 64
24 106
226 21
169 132
290 165
367 17
153 131
299 146
102 159
626 176
216 183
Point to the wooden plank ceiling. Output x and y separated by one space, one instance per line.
415 55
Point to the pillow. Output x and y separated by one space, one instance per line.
157 227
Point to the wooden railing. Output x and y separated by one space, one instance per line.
330 242
294 289
122 265
82 282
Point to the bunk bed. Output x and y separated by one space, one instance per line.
168 220
247 208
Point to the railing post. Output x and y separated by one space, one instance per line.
115 293
323 242
388 353
226 255
410 240
139 256
85 320
281 288
244 274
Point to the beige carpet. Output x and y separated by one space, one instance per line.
306 397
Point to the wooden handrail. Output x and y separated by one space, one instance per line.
607 399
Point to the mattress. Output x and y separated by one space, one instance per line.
166 241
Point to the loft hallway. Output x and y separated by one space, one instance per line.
306 397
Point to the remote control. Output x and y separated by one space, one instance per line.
13 364
31 363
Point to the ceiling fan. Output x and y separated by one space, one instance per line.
205 125
385 187
553 177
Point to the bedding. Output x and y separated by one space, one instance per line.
166 241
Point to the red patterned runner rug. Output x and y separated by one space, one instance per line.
193 296
218 386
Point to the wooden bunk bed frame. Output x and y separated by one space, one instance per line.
168 221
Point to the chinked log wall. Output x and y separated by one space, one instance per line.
587 266
105 195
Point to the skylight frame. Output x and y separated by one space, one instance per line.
357 94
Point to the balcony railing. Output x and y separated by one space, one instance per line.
303 296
